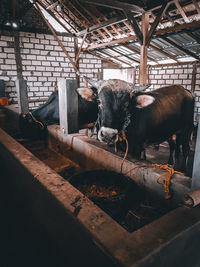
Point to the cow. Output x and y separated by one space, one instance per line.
34 123
146 117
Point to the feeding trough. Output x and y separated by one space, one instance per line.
111 191
81 229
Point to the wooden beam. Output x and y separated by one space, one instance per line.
117 59
123 55
156 22
143 50
115 4
116 41
79 50
136 51
86 10
103 24
105 59
196 6
179 27
194 72
157 33
180 48
163 52
56 37
77 53
134 25
52 6
51 14
181 11
173 64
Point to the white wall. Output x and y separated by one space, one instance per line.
43 63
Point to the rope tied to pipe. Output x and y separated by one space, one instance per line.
170 171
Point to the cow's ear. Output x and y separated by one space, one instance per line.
86 93
144 101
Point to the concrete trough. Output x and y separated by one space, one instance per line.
80 232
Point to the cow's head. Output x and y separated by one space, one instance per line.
30 127
114 100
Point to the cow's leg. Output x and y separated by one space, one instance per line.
186 151
172 146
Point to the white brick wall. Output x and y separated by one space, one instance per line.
43 63
177 75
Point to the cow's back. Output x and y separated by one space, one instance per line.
171 112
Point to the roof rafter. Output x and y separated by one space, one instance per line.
115 4
181 11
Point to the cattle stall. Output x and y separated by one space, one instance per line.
100 133
71 229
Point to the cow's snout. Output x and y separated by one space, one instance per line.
108 135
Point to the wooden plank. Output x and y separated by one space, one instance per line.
196 165
79 50
115 4
52 14
179 27
56 37
116 41
143 51
194 72
103 24
68 106
196 6
156 22
134 25
174 64
76 51
22 95
181 11
180 48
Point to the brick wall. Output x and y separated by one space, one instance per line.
43 63
177 75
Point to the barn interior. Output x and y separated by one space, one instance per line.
47 218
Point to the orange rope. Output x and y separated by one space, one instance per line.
170 171
121 138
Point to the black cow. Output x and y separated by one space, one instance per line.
34 123
145 117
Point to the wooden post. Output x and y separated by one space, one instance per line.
68 106
143 50
22 95
76 52
194 72
196 165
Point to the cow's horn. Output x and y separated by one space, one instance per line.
91 82
141 87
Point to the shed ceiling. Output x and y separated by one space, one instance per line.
110 30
